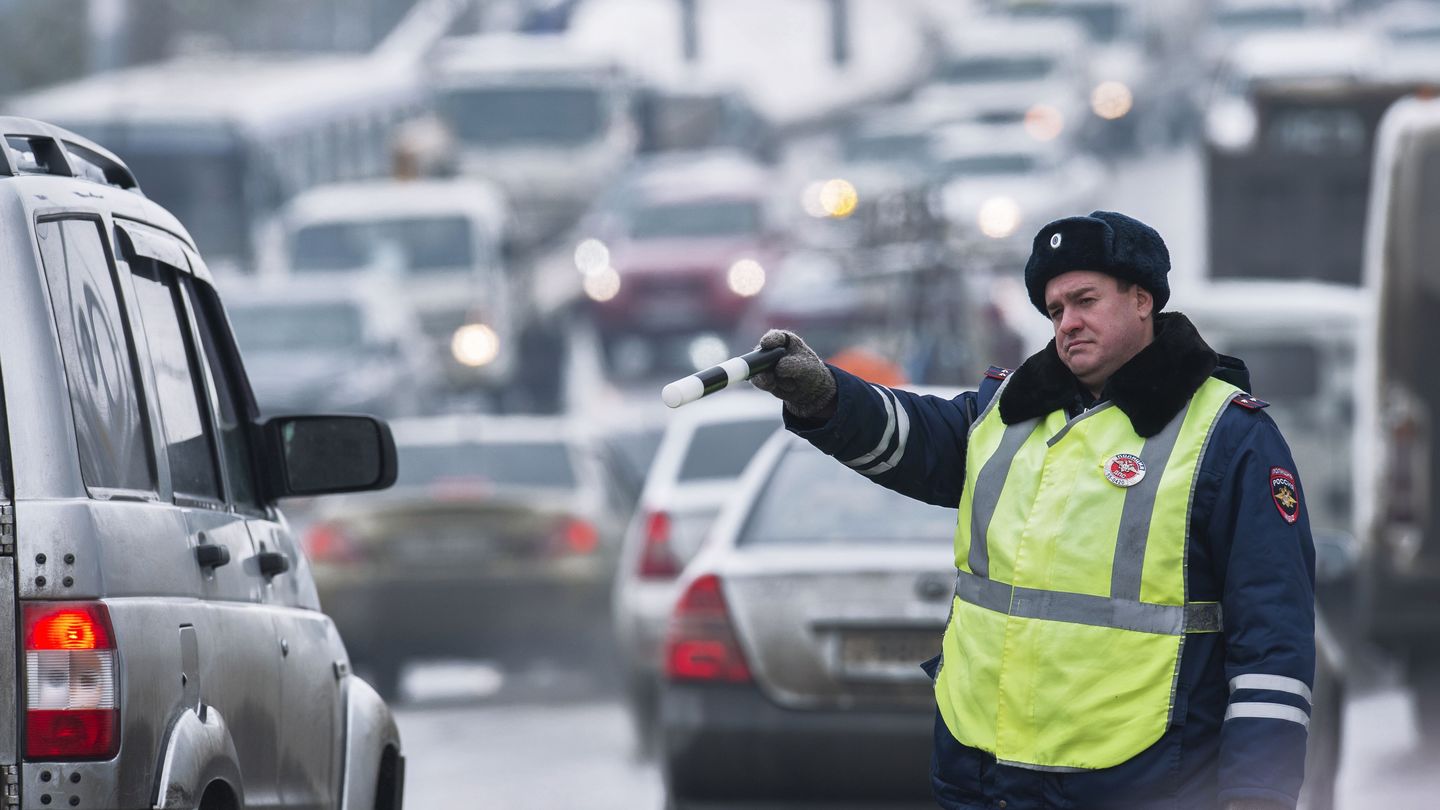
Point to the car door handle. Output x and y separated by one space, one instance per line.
272 563
212 556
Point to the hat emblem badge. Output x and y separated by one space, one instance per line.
1055 241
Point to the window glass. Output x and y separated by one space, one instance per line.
540 114
280 326
423 244
180 402
230 414
697 219
997 69
99 361
811 500
518 464
723 449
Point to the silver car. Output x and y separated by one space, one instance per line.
166 647
703 451
792 664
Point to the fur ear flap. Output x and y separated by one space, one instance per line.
1151 388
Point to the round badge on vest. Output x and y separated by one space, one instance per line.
1124 470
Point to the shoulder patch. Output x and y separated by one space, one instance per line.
1250 403
997 373
1285 494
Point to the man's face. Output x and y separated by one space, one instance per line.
1098 326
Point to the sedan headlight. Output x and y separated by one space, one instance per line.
475 345
1111 100
1044 122
1231 125
999 217
746 278
603 284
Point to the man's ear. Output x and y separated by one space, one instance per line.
1144 302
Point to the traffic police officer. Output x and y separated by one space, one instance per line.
1133 619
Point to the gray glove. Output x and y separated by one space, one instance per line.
800 379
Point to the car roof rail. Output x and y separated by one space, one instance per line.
34 147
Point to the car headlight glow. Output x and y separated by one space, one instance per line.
838 198
1044 122
999 217
1111 100
746 278
708 350
1231 125
591 256
603 284
475 345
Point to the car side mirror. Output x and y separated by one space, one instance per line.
321 455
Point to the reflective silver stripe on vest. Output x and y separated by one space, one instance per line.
1046 768
1271 683
988 485
1054 440
1129 565
1268 711
902 420
1082 608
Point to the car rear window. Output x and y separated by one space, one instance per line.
722 449
517 464
811 499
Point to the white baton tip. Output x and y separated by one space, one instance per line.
683 391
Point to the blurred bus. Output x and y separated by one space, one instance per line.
1400 404
224 141
1288 147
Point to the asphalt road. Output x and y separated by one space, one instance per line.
473 743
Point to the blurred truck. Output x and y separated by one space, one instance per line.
1400 404
440 243
550 124
1289 139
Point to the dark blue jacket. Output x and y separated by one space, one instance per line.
1242 700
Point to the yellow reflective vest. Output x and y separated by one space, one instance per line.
1070 612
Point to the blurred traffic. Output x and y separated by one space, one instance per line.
505 224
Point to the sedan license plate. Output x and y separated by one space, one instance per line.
452 546
888 654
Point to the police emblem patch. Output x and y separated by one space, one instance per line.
1124 470
1283 491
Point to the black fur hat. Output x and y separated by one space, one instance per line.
1105 242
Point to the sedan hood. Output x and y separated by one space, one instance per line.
678 254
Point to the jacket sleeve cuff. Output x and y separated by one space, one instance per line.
833 434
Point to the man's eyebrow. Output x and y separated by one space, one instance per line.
1070 296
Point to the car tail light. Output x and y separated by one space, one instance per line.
1409 444
330 543
72 705
579 536
702 645
657 559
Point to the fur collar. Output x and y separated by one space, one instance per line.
1150 389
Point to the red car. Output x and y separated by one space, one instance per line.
689 245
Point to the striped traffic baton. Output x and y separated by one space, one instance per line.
704 383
